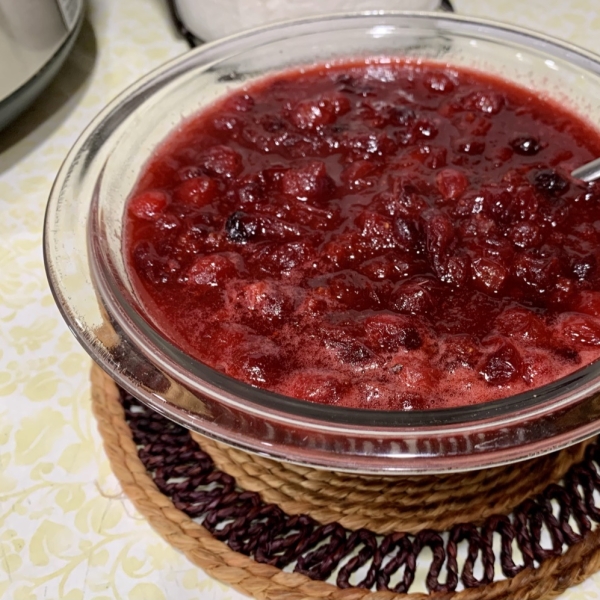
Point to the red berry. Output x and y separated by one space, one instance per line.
212 270
523 325
222 161
148 205
197 191
440 82
489 275
258 364
343 251
439 233
353 290
388 267
376 230
392 332
581 329
487 102
415 296
526 235
316 386
314 113
266 301
460 350
536 273
351 352
503 365
359 174
308 182
280 258
451 183
588 302
407 236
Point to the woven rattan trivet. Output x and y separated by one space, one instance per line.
283 532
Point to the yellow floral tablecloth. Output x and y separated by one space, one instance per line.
66 530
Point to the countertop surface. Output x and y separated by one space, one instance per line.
66 529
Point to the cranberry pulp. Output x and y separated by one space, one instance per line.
382 234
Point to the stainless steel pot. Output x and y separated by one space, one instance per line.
35 38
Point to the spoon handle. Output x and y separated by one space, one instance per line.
588 172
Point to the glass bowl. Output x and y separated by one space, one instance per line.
91 286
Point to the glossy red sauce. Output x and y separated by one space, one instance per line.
390 236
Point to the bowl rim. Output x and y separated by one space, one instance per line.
529 404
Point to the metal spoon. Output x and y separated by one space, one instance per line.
588 172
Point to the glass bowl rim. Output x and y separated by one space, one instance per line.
537 399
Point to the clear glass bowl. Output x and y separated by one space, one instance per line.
88 277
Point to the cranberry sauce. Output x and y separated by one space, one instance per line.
378 234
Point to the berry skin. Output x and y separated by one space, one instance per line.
504 365
488 274
222 161
308 182
197 191
451 183
148 205
212 270
391 332
581 330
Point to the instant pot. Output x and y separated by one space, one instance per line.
35 39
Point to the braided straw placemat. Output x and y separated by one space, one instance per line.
277 531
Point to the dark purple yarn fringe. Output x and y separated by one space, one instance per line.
268 535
